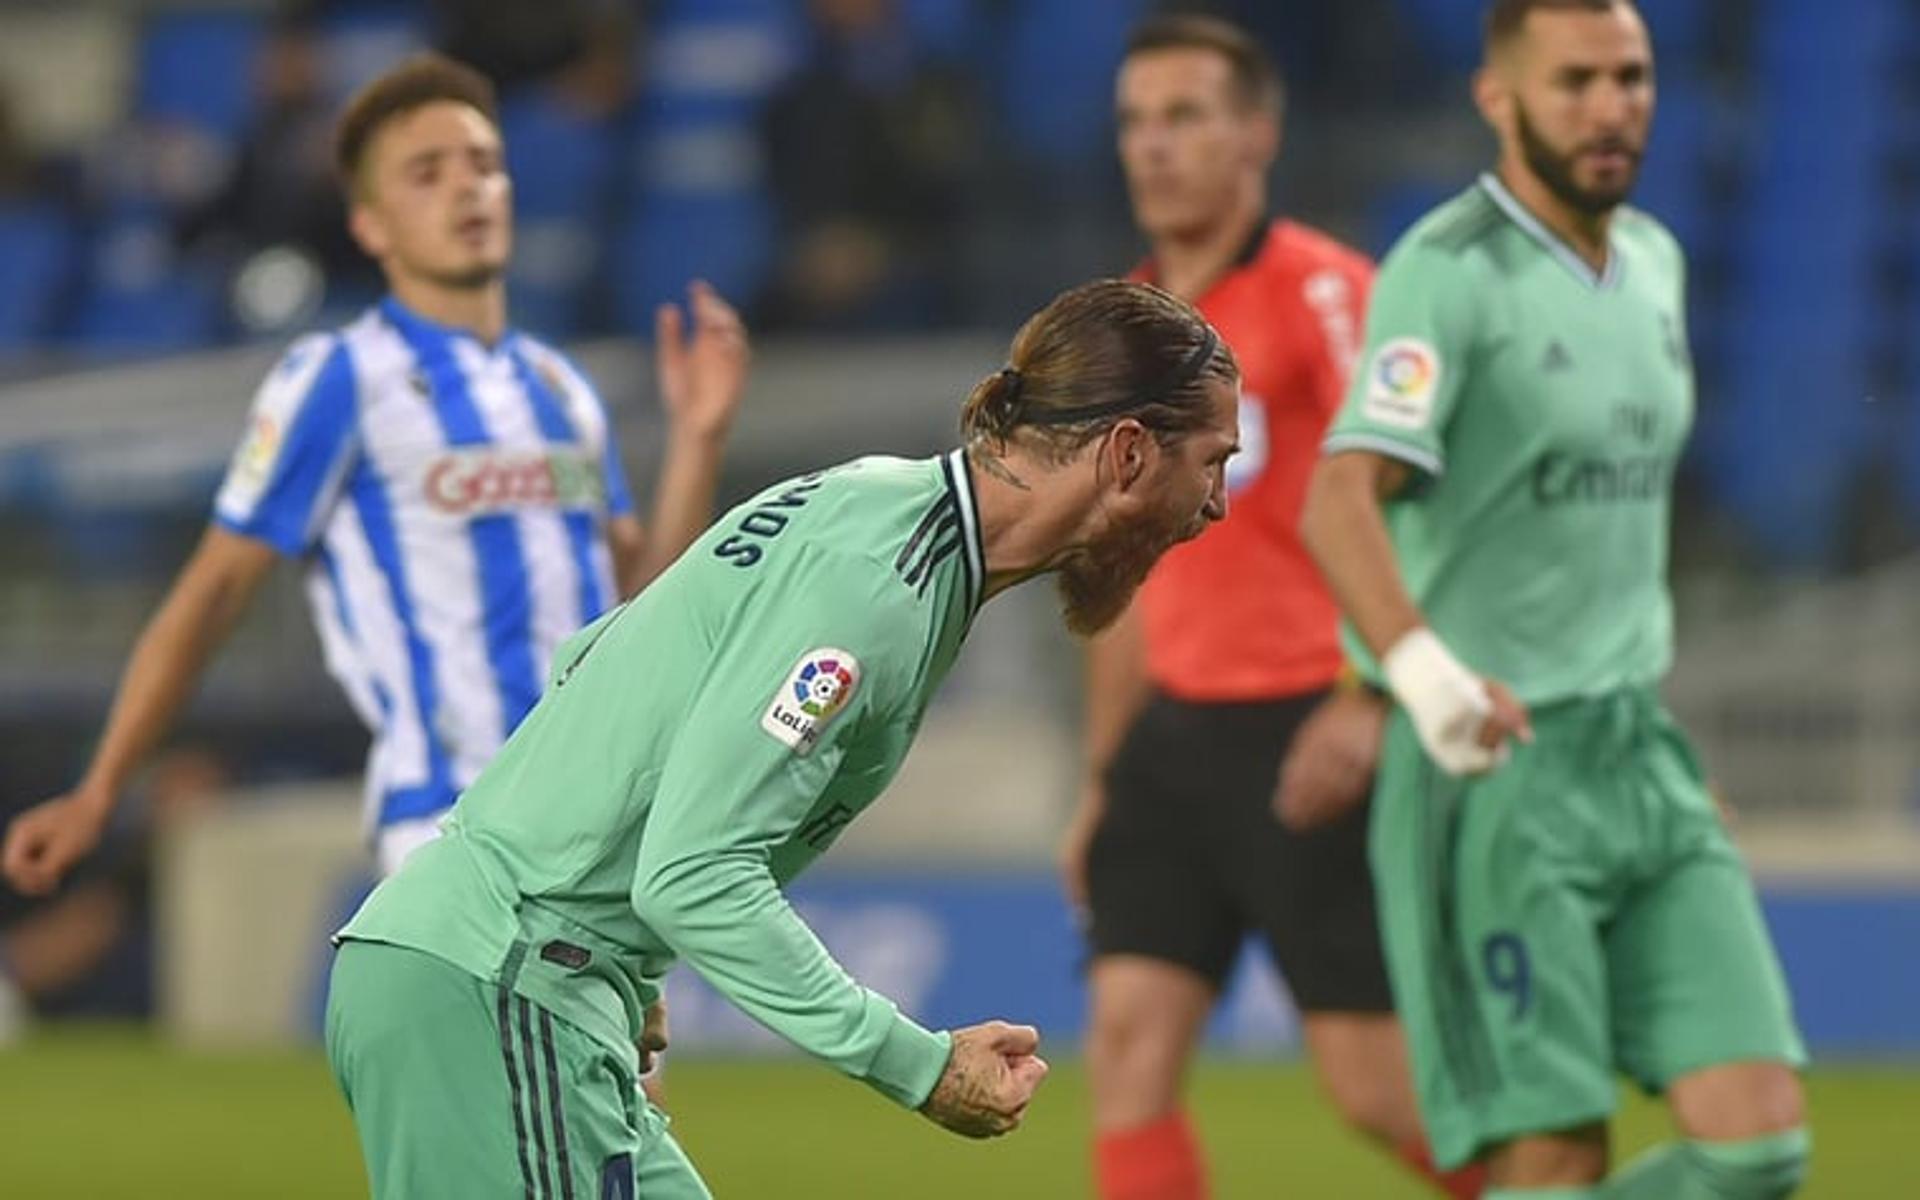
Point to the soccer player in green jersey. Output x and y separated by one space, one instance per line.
1558 898
700 745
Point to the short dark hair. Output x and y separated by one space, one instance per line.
1256 80
1506 17
416 82
1093 348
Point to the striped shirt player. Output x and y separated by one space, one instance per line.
448 500
449 484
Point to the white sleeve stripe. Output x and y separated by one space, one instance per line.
1416 456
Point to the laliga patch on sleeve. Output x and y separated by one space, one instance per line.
818 690
1402 380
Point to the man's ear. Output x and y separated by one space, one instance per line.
369 232
1129 453
1493 95
1265 141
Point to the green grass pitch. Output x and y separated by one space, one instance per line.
106 1114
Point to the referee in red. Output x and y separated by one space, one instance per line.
1228 662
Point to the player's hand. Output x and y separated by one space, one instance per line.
44 842
1464 722
653 1035
1329 766
990 1078
1508 721
1078 839
703 373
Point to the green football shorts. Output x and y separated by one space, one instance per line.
460 1088
1578 912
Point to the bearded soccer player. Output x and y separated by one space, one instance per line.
705 742
1230 657
1559 899
449 485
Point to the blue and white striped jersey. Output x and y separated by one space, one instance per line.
449 500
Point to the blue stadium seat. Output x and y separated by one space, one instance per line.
1681 148
358 39
1395 208
1680 29
1785 438
694 189
673 237
563 165
1056 86
1450 29
1447 29
140 297
948 29
565 180
38 245
1790 432
1853 38
197 66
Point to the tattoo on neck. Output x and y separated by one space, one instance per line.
994 467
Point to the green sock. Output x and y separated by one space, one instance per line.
1762 1168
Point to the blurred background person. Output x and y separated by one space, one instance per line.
89 952
1228 655
449 484
868 146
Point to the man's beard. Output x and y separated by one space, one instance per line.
1556 170
467 279
1097 584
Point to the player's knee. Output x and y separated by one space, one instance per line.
1735 1101
1133 1041
1373 1105
1763 1168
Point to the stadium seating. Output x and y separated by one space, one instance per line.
37 244
196 66
139 296
564 167
1673 177
1793 427
1058 106
725 238
1450 29
694 191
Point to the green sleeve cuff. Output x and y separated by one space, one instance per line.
909 1062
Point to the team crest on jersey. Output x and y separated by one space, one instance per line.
1401 383
817 691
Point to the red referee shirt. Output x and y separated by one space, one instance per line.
1241 612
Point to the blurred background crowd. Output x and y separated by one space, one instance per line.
875 167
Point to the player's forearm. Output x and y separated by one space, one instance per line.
722 913
195 619
682 503
1116 688
1346 532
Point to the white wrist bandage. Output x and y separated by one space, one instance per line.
1447 702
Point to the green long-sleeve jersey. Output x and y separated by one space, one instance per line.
1544 406
696 748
